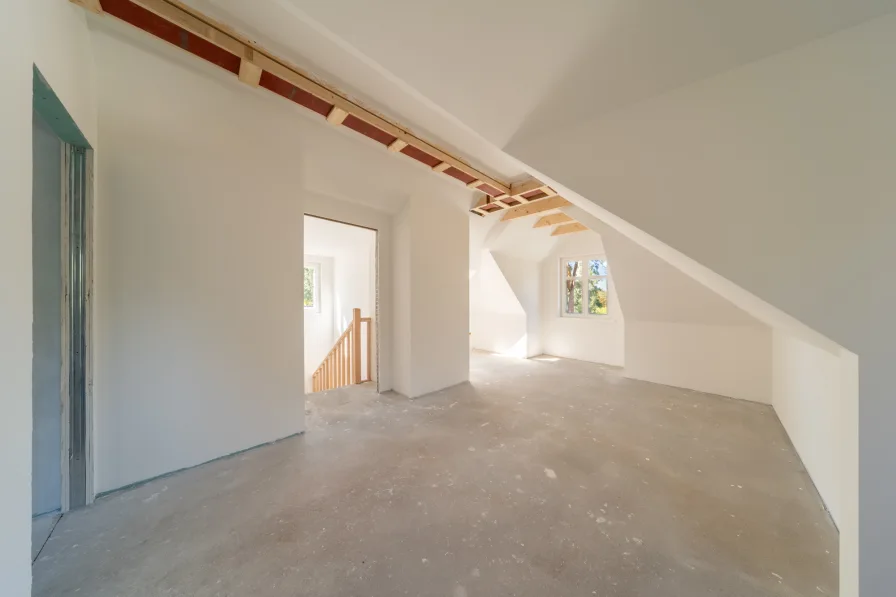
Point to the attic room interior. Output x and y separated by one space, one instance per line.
343 298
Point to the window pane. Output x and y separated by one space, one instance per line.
598 267
309 286
597 296
573 296
573 269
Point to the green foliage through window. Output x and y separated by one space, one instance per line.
585 286
309 286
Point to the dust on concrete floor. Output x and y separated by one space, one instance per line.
540 477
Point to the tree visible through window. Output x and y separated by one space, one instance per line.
309 287
585 286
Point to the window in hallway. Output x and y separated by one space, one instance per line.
311 283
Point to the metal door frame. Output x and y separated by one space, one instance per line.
76 391
76 355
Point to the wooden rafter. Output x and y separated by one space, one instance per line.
535 207
552 220
520 193
342 109
569 229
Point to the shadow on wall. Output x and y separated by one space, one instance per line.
497 319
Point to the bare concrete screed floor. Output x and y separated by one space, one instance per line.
539 478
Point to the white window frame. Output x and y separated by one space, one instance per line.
585 278
316 268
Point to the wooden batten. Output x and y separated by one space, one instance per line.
552 220
397 145
250 74
569 229
522 188
535 207
337 115
441 167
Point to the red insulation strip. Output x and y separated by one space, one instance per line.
291 92
460 175
368 130
421 156
152 23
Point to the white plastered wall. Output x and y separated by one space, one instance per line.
431 260
679 332
524 278
497 319
401 330
15 299
808 398
198 268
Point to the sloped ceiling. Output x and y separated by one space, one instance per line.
651 289
504 66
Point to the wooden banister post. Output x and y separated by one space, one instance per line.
356 346
369 351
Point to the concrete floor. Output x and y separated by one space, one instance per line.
41 528
540 478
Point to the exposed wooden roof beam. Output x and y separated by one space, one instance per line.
500 200
521 188
569 229
480 203
197 23
552 220
535 207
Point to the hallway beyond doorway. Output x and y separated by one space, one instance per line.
340 284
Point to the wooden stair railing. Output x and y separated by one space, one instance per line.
342 365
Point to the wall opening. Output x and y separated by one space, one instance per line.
340 293
61 268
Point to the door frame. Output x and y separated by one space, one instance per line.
76 187
375 344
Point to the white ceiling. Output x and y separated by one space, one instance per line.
491 70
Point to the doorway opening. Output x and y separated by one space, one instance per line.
340 304
61 274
